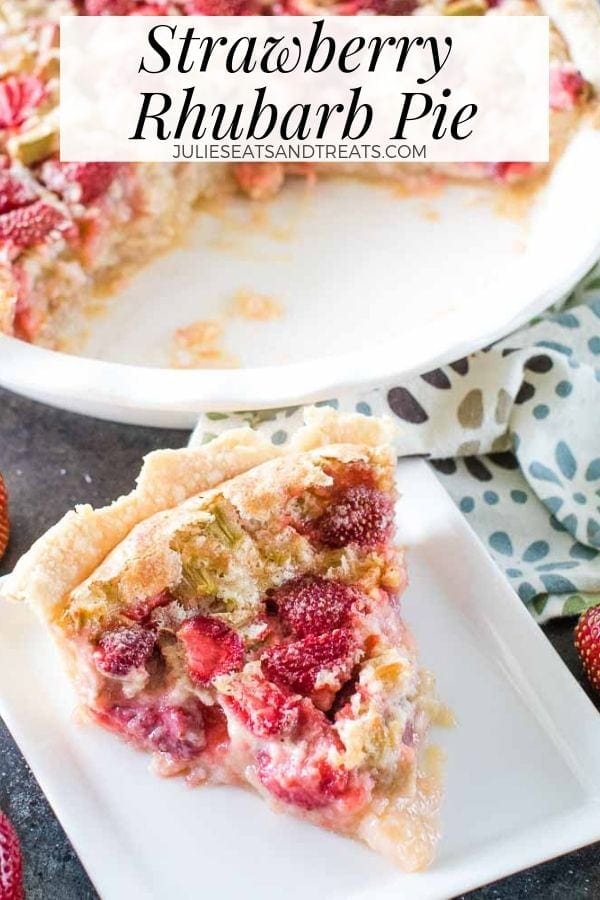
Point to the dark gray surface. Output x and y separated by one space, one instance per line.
50 461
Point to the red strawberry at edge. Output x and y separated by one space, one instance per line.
14 193
567 87
108 7
220 8
20 95
31 224
11 864
94 179
4 520
361 515
212 648
289 783
587 643
510 171
144 608
303 774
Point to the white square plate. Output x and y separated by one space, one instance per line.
523 774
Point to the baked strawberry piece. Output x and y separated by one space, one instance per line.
251 634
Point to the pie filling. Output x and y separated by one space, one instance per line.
68 230
267 650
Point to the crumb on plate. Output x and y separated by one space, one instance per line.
255 307
199 346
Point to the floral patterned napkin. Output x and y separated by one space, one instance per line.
513 433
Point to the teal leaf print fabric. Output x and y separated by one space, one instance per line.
513 434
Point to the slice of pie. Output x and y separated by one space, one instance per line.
69 231
237 617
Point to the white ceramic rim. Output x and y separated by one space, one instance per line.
171 397
150 388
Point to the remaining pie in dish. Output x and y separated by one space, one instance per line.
68 230
237 616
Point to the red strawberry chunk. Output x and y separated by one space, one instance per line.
259 180
587 643
14 193
108 7
20 95
175 730
379 7
297 665
263 708
32 224
304 774
212 648
307 784
11 863
143 608
151 9
567 86
314 605
220 8
81 182
124 649
361 515
509 172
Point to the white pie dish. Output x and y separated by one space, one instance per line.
375 287
523 779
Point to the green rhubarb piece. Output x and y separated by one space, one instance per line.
223 528
465 8
34 145
89 612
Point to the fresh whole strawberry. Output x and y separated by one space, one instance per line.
4 520
587 643
11 864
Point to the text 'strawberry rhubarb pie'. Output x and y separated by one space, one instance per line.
237 617
69 230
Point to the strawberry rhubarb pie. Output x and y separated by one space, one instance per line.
237 617
68 231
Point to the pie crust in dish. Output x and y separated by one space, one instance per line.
237 616
71 231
